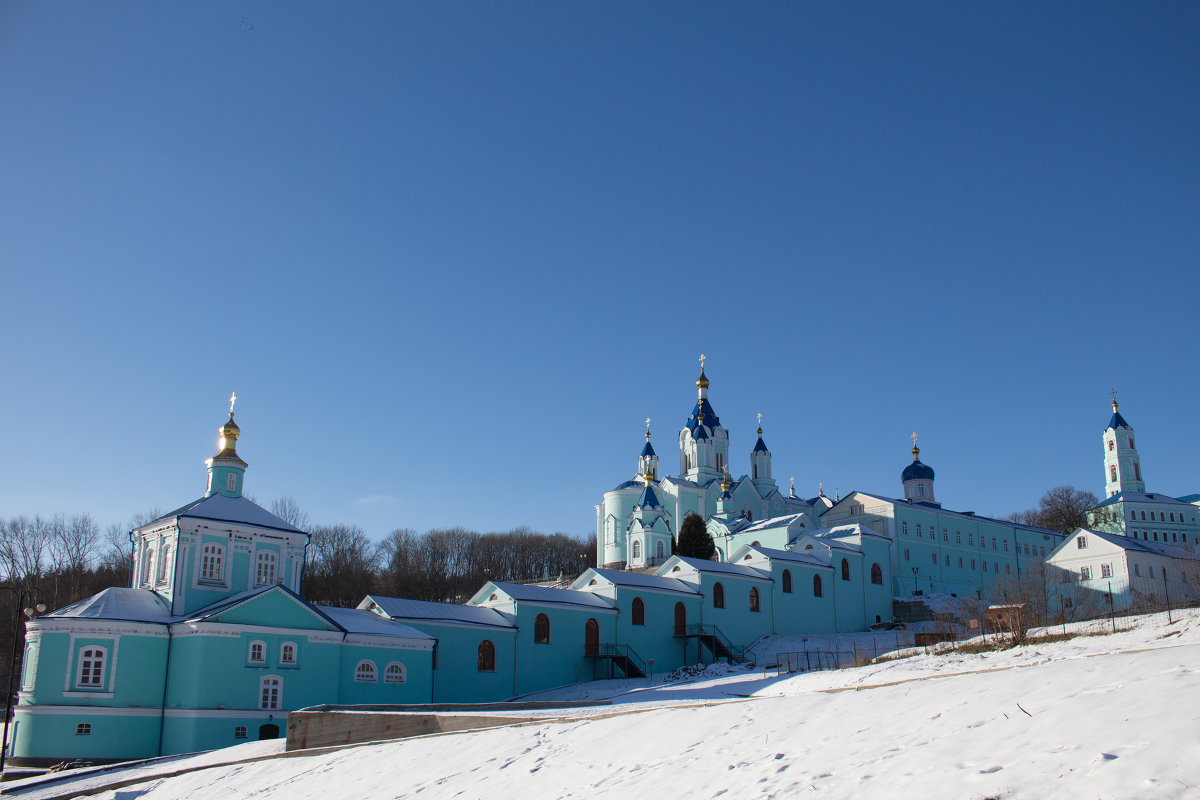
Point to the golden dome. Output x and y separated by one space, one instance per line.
725 484
702 381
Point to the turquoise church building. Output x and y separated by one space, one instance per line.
212 643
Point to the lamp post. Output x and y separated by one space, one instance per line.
20 598
915 571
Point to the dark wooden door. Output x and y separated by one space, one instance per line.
591 638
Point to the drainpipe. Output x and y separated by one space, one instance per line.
516 648
433 671
162 717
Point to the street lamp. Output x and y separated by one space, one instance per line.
20 599
915 571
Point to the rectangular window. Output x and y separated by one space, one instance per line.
906 554
1042 552
212 563
985 566
83 729
1081 542
918 529
264 572
1006 545
960 562
958 537
1106 570
970 540
1085 573
933 557
972 563
1008 569
904 528
994 543
239 732
947 561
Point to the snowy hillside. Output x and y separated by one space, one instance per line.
1112 716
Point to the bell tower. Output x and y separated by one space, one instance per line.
226 469
1122 467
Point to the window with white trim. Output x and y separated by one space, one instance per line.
1085 573
147 562
270 692
287 653
365 672
164 560
239 732
83 729
1081 542
91 667
231 482
264 568
258 653
395 673
1106 570
212 563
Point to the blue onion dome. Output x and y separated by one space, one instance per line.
1117 420
917 470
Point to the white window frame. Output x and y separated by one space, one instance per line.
283 659
164 559
231 482
1085 573
366 672
390 677
212 554
262 647
261 559
270 693
241 732
86 666
1106 571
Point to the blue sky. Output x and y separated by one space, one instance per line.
451 255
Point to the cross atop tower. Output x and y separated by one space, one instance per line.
914 438
702 357
232 400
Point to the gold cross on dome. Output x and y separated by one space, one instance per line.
702 357
232 400
914 438
760 419
1113 392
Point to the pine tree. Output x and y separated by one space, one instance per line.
694 538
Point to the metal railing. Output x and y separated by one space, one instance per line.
616 653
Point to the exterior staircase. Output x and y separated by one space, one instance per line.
621 656
717 643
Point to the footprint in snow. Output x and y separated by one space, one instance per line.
990 770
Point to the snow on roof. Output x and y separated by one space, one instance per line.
1130 543
127 605
773 522
936 507
622 578
1189 498
700 565
400 608
1144 497
544 594
354 620
788 555
220 508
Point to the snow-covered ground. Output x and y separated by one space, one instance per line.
1112 716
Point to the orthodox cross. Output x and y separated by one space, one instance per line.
1113 392
647 427
232 400
914 438
702 357
760 419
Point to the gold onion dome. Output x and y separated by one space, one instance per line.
725 484
702 381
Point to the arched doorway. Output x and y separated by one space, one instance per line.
268 731
680 620
591 638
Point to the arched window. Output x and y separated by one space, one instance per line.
1131 443
1112 472
287 653
718 595
680 619
755 544
817 590
212 563
1143 516
164 560
1110 445
846 569
395 673
258 653
541 629
264 571
591 638
637 549
270 692
91 667
787 581
365 672
659 549
876 574
486 657
753 599
639 611
147 563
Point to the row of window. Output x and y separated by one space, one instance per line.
366 672
1112 445
212 564
1146 536
970 539
659 550
258 653
1162 516
934 560
1112 472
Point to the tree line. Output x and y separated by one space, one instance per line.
69 557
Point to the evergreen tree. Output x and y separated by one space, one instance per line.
694 539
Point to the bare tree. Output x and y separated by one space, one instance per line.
341 565
288 510
1062 509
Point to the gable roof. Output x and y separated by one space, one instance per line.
545 594
639 580
220 508
354 620
118 604
241 598
783 555
936 507
1129 543
700 565
426 611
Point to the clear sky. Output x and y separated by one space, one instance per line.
451 255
